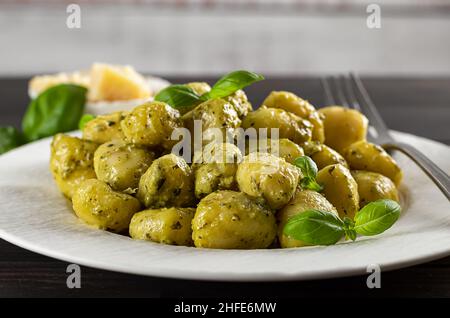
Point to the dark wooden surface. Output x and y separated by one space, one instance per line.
418 106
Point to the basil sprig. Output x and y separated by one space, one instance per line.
309 171
10 138
57 109
179 96
325 228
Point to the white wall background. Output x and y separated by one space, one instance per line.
193 39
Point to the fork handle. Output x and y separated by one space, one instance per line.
439 177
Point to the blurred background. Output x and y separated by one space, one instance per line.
202 37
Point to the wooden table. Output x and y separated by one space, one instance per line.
418 106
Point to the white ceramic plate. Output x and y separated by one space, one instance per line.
35 216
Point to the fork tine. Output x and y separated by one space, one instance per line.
353 100
329 99
340 92
369 109
351 90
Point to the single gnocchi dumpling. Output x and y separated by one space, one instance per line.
290 102
104 128
340 189
71 162
97 204
301 202
373 186
240 103
214 113
167 225
294 104
265 176
318 131
168 182
216 170
324 156
283 148
121 164
367 156
151 124
289 125
343 126
232 220
289 150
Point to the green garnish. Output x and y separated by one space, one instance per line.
309 171
179 96
326 228
57 109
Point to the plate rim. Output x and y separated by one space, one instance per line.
235 277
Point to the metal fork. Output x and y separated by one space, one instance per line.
350 92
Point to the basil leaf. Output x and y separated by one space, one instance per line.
307 165
178 96
230 83
376 217
309 171
10 138
57 109
315 227
84 120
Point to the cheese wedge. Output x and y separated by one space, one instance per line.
116 83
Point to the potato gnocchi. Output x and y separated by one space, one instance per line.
121 176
